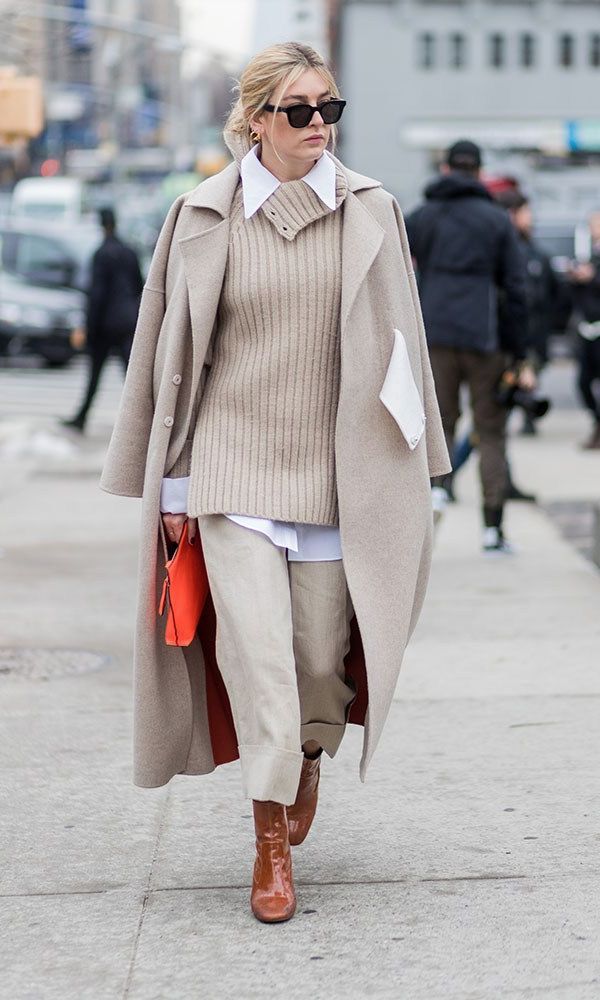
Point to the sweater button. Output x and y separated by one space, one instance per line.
176 379
168 421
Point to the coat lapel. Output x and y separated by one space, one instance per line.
204 260
362 237
204 253
217 191
204 256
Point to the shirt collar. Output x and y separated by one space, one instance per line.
258 183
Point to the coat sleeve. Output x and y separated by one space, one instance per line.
437 452
125 465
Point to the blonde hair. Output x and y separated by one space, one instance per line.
272 71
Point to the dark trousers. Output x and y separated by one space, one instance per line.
589 373
99 354
481 372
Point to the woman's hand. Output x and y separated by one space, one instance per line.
173 525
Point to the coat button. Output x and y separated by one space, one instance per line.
168 421
176 379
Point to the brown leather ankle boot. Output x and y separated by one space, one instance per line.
302 813
273 897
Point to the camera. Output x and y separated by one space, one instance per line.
510 394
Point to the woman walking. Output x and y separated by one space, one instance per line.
277 398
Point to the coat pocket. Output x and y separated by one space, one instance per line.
400 396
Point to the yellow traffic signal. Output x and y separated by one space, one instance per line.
21 105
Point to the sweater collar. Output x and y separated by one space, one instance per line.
295 205
258 183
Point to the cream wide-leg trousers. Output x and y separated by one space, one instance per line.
283 630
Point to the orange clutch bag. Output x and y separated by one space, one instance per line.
184 591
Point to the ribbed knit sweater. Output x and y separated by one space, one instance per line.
264 439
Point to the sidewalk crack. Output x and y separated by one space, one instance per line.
147 893
51 894
408 881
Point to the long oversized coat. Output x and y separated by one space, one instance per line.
388 442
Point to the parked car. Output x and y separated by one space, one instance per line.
43 277
49 199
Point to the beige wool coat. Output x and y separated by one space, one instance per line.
388 442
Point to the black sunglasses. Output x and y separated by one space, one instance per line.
300 115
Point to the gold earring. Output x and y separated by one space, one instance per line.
255 136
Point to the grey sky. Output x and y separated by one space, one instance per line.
223 25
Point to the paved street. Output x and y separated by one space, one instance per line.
28 391
466 868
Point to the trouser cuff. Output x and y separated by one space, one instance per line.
270 774
328 735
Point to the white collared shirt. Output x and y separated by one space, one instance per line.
258 183
304 542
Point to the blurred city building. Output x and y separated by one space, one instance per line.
308 21
21 39
111 75
521 78
217 38
136 73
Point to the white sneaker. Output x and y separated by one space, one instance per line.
494 543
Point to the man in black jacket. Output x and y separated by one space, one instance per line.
113 302
468 263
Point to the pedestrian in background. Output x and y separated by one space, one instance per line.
541 283
279 399
585 282
113 302
467 258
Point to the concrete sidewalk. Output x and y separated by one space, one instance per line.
467 866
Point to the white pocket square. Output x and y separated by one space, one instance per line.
400 396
